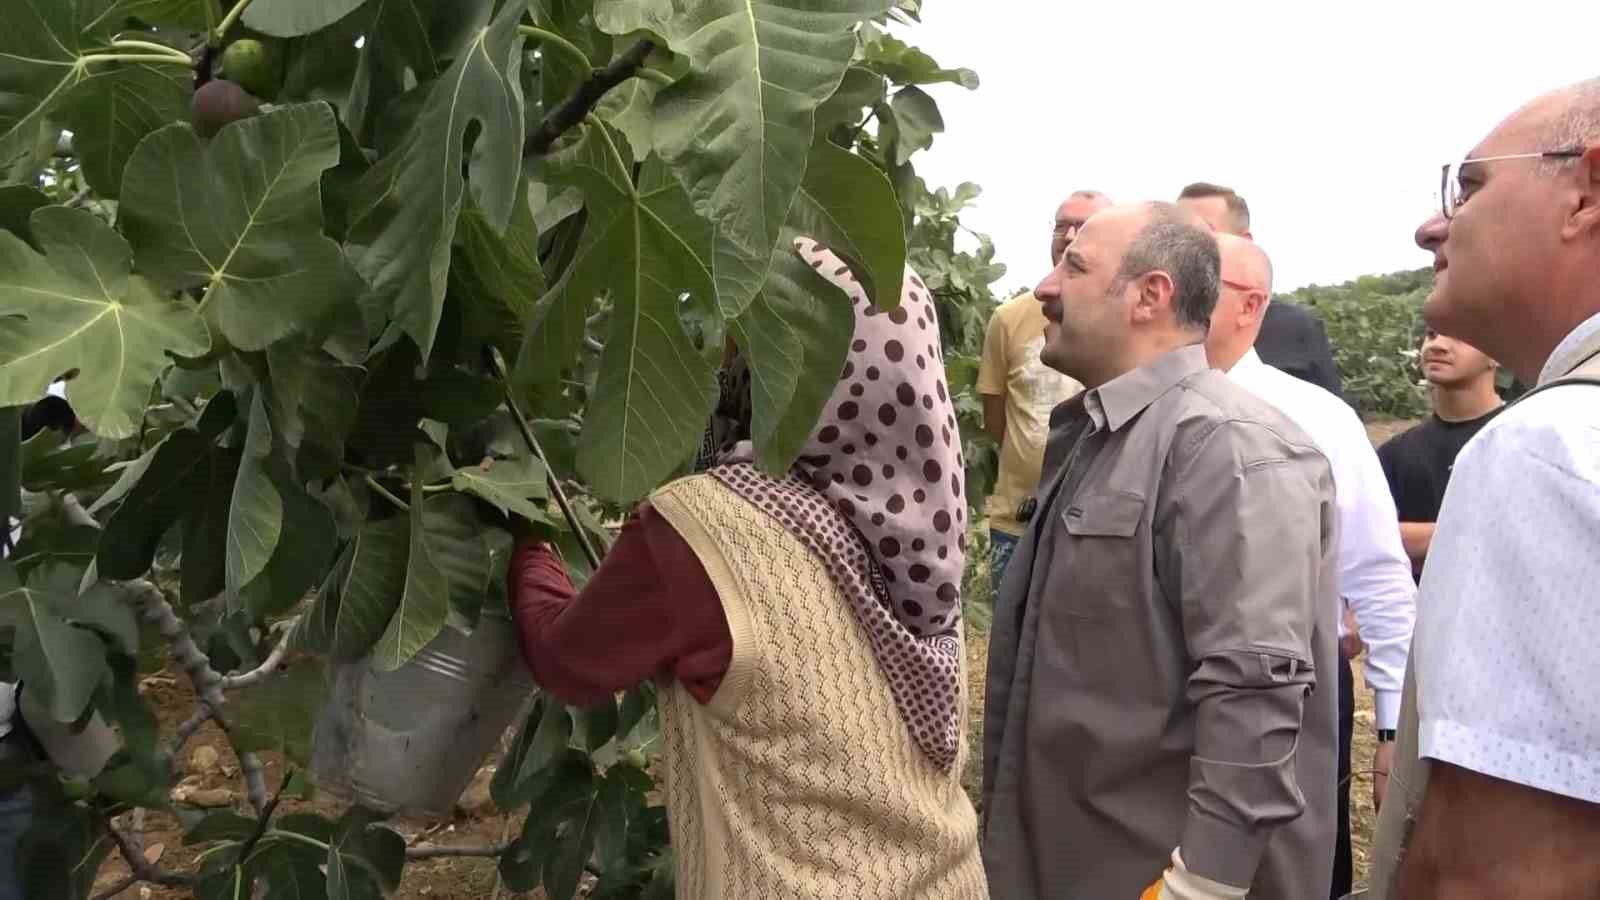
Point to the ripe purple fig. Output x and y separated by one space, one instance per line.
217 103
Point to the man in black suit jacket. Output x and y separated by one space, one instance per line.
1292 339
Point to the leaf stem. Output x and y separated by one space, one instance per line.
227 22
296 836
170 60
556 40
384 493
175 53
656 75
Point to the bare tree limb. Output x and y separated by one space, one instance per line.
153 606
268 668
439 851
583 101
141 869
188 729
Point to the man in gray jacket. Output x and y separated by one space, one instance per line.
1159 721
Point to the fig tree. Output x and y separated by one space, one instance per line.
217 103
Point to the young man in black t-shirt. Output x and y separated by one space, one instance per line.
1418 462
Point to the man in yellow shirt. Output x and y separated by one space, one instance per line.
1019 392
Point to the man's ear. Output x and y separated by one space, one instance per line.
1254 307
1585 218
1156 293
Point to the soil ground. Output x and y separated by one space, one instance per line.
172 697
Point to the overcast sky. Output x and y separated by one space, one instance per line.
1332 119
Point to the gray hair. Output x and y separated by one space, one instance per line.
1578 126
1170 242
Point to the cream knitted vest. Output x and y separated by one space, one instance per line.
799 779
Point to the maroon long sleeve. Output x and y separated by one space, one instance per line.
649 612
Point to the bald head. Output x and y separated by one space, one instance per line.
1242 301
1515 261
1571 115
1244 262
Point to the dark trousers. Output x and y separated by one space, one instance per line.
1347 726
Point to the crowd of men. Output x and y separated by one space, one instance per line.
1193 536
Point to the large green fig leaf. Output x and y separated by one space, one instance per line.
113 110
292 18
424 602
795 337
48 48
848 206
187 14
305 547
81 309
60 662
158 488
510 484
738 128
255 516
407 42
642 247
17 203
242 217
416 192
800 324
496 279
356 602
446 555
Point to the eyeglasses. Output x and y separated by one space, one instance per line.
1239 286
1065 229
1453 193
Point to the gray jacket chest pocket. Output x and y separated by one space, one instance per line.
1099 543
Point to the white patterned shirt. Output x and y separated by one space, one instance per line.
1374 573
1508 615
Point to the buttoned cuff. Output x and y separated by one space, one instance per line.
1222 852
1386 710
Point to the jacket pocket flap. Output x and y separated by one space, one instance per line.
1109 514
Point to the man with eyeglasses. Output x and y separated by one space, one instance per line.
1019 391
1374 574
1496 790
1291 339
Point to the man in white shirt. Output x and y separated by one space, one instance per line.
1503 774
1374 574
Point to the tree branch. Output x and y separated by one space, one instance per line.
155 609
436 852
268 668
142 870
583 101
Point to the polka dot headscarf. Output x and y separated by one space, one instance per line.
877 494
